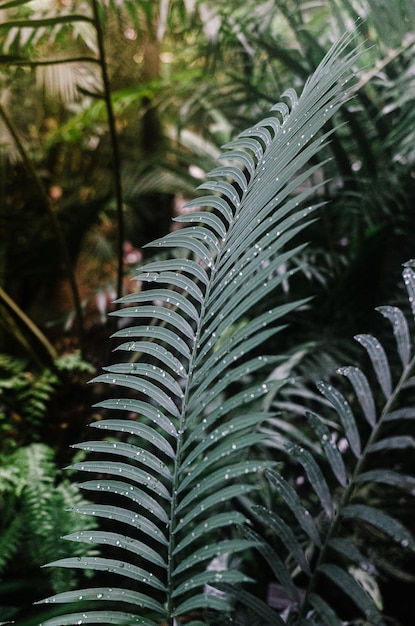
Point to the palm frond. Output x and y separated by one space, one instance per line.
332 540
190 449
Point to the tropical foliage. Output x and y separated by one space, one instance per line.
34 502
330 517
34 495
170 476
109 111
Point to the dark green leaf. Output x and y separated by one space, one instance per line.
198 435
119 541
400 330
98 617
227 447
162 313
325 611
139 430
183 266
107 593
345 414
208 577
218 477
179 239
362 390
141 408
388 477
330 449
220 497
172 279
206 601
112 566
219 520
400 442
209 219
135 474
276 564
143 386
132 492
148 371
173 299
260 609
348 549
303 516
285 534
315 476
214 202
407 413
387 524
226 546
128 451
346 583
125 516
379 361
156 334
409 280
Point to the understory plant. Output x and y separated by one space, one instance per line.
34 503
34 493
26 395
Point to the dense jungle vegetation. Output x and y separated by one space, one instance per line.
229 344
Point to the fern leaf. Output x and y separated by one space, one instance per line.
409 280
363 391
315 477
345 414
232 249
330 448
389 477
337 539
99 617
324 611
111 594
387 524
399 442
351 587
260 610
278 567
379 361
347 549
293 501
120 541
400 330
287 536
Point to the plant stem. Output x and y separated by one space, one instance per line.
116 160
43 195
17 314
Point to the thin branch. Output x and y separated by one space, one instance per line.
19 61
48 21
17 314
115 147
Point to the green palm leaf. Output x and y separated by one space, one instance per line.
336 528
185 457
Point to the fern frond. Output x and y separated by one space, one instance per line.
333 528
169 488
33 511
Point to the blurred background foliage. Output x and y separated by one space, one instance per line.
111 113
